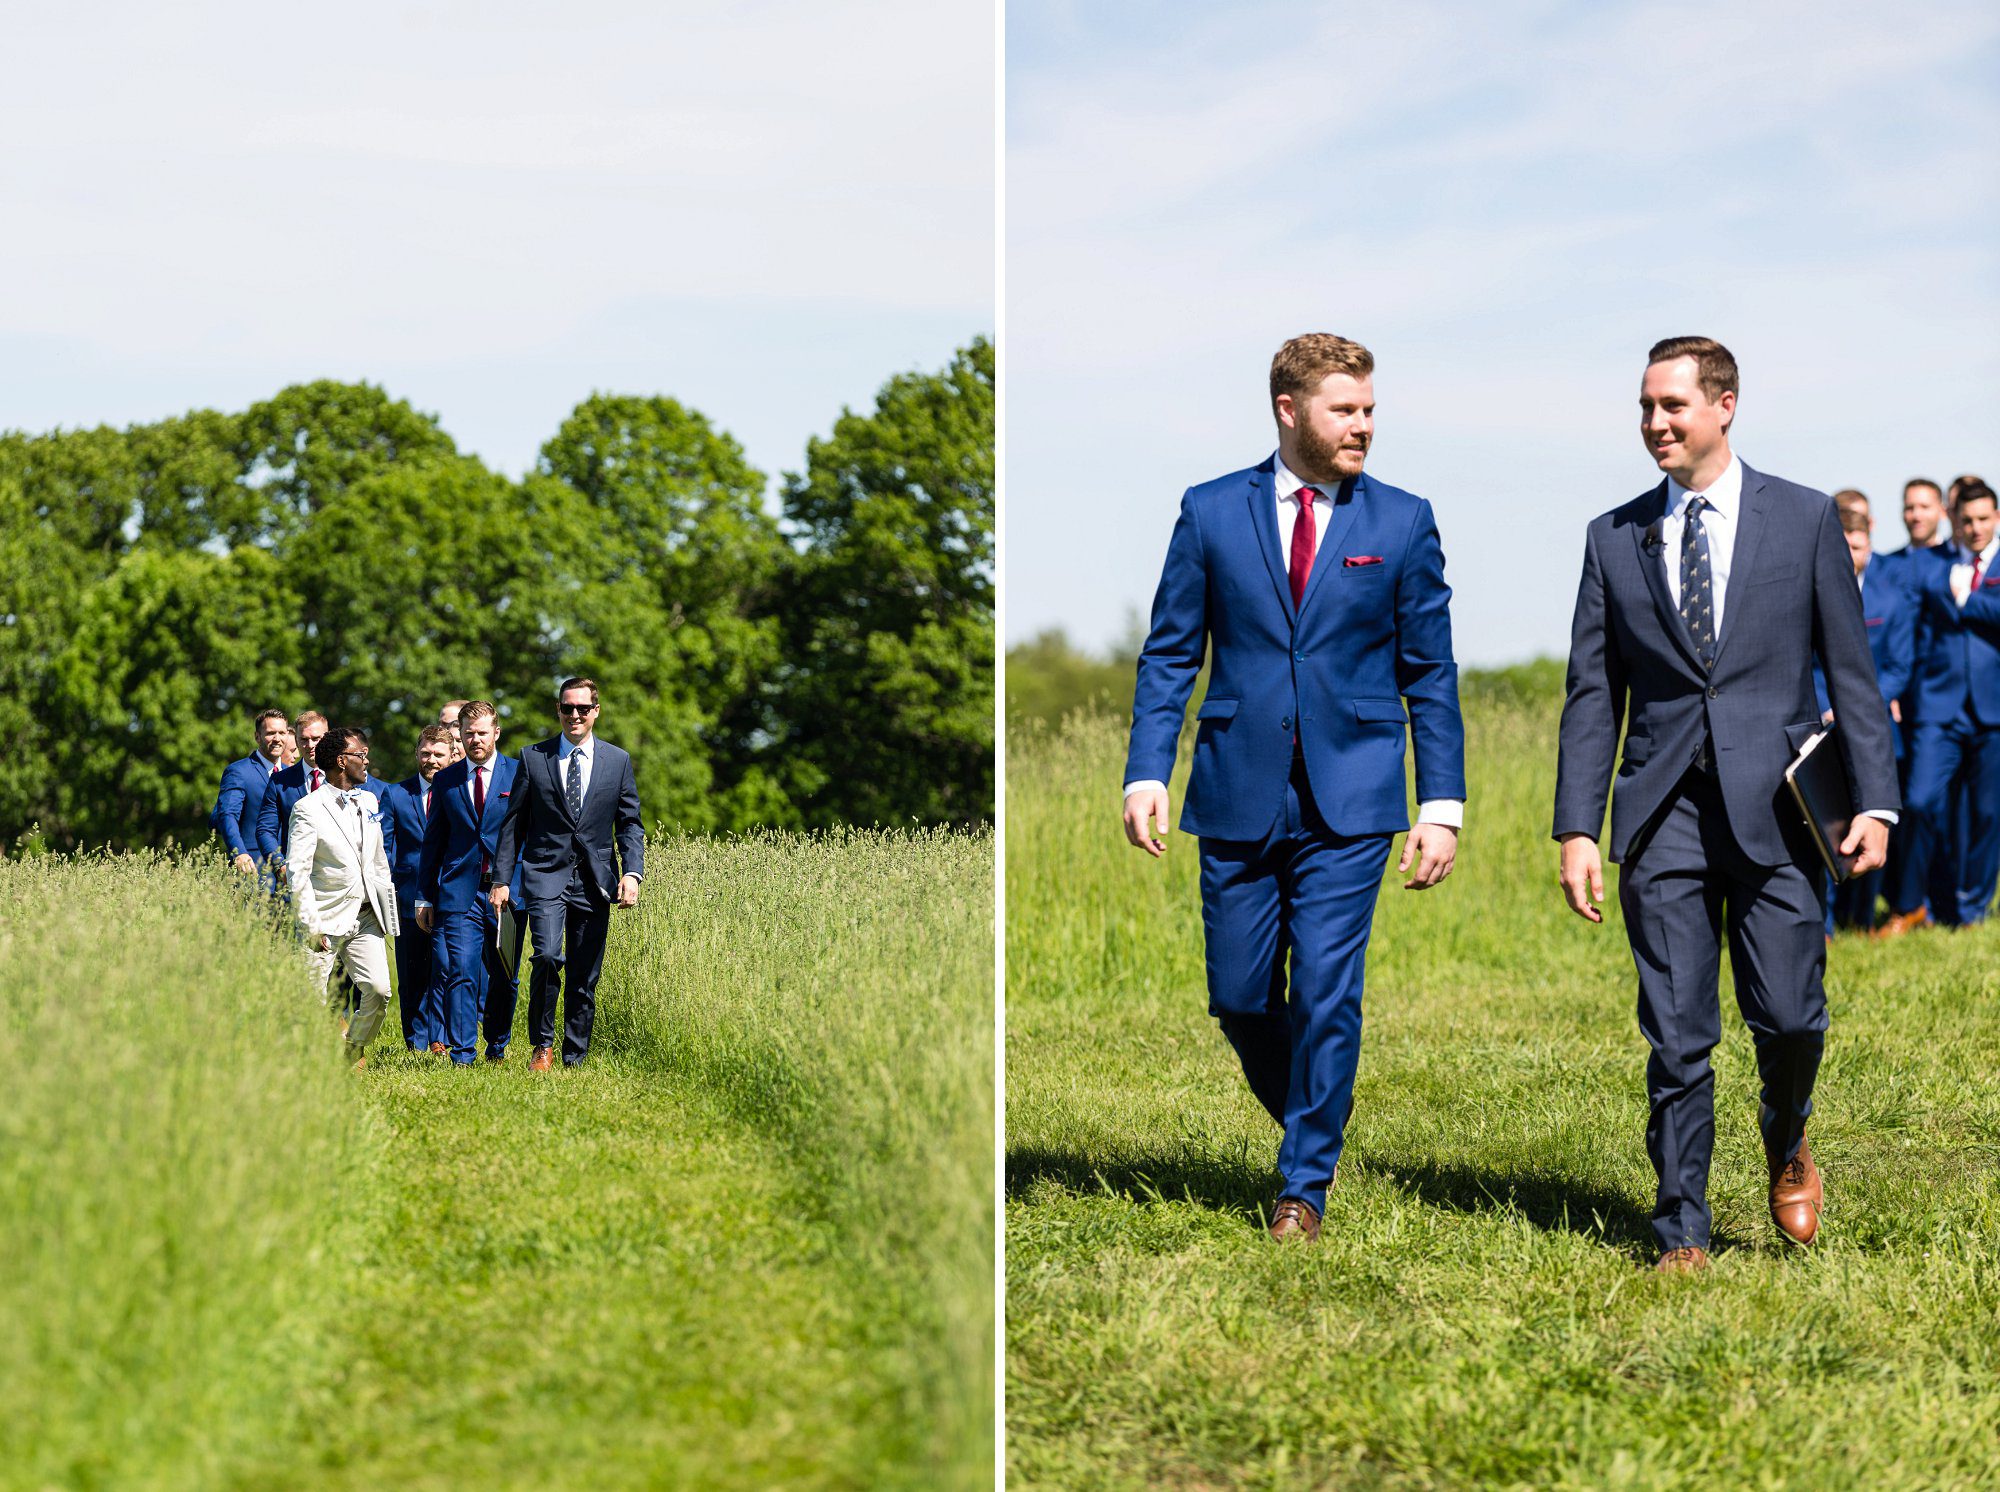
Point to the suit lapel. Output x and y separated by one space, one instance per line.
1653 564
330 808
561 787
1263 500
1339 519
1753 508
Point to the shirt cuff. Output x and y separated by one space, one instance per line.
1886 815
1448 813
1142 784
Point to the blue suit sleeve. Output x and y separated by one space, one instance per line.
1840 640
1593 707
434 832
1172 656
1981 611
631 828
388 825
1426 673
268 822
1899 643
227 819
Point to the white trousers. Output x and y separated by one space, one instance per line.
364 956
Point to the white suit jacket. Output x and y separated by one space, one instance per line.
331 872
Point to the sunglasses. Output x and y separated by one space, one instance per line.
576 709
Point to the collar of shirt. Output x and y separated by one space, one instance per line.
1725 493
565 749
1289 482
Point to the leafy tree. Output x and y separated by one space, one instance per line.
168 658
685 566
312 441
888 713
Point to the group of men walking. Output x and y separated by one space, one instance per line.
447 866
1710 609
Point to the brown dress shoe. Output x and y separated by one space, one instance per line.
1904 922
542 1060
1685 1260
357 1056
439 1049
1295 1219
1796 1196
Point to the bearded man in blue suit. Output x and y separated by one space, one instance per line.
1318 594
454 875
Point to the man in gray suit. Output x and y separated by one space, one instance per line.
1703 605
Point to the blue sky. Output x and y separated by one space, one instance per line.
493 209
1508 203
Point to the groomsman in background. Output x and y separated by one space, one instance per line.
468 801
406 807
577 801
1955 740
242 794
448 718
283 791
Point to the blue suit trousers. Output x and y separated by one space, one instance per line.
1306 896
1953 818
569 935
1683 886
419 982
480 986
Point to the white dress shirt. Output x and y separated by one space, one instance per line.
1448 812
1718 521
482 776
586 748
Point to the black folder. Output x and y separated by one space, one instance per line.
1817 778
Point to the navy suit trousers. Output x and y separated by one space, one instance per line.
479 985
1683 885
1305 894
419 982
1953 821
569 934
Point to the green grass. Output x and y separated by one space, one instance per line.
1480 1310
749 1244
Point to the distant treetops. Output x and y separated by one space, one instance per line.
831 663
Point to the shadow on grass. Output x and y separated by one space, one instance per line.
1236 1185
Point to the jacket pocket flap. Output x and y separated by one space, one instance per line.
1797 735
1637 748
1378 709
1215 709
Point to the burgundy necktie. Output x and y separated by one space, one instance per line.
479 814
1302 545
315 780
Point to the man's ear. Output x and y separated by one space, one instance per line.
1727 404
1286 410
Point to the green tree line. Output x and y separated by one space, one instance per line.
332 548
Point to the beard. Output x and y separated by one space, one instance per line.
1323 462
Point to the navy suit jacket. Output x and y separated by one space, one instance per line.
455 842
541 844
238 802
1373 630
1958 652
403 817
1791 598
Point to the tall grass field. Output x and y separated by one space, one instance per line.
748 1244
1480 1310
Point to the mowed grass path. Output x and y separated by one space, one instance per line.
1480 1310
242 1267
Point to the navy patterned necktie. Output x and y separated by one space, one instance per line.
1698 583
573 792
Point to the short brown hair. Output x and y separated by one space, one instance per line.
1714 366
1960 485
452 704
307 717
1923 482
257 725
1851 498
569 684
475 709
435 733
1974 491
1303 363
1854 520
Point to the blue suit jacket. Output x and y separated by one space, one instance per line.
548 844
1891 618
1373 629
1791 598
238 803
403 817
448 872
1958 652
281 796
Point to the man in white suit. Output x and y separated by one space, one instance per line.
341 887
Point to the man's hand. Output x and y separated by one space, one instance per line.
245 864
325 943
1896 711
426 918
1147 803
1434 849
1868 842
1582 876
499 896
628 891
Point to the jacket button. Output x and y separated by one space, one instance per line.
1301 657
1286 723
1713 692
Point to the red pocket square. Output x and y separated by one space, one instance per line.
1353 560
1875 621
1991 580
